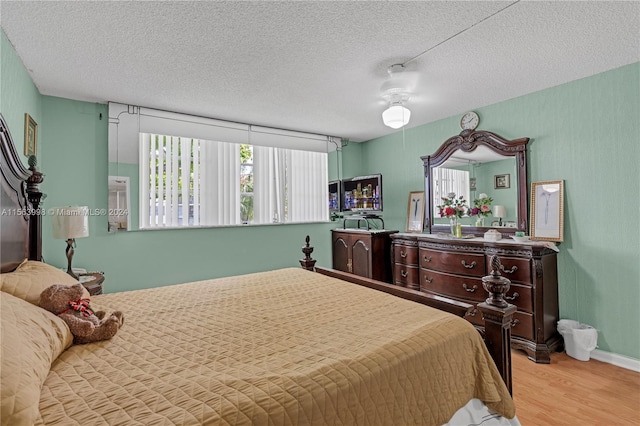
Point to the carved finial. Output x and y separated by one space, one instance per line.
307 263
307 249
36 178
495 265
496 285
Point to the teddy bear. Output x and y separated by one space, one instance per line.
87 326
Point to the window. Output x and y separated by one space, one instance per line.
200 171
194 182
447 181
170 187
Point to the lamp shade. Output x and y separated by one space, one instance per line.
499 211
396 116
70 222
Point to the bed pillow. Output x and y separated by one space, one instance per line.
31 278
32 339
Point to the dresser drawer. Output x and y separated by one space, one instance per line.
475 316
517 270
520 295
452 285
456 263
521 324
405 254
406 276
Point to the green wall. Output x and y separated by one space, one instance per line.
586 133
18 94
504 196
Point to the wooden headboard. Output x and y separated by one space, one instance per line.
20 218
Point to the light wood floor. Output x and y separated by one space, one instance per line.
571 392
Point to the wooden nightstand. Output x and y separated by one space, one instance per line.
92 281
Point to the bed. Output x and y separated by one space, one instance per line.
290 346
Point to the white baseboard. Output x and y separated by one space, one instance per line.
615 359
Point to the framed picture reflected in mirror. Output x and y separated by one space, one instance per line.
501 181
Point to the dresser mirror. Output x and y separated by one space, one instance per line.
474 163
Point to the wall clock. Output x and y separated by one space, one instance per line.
469 121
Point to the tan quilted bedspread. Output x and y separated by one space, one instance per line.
283 347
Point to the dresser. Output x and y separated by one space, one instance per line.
363 252
454 268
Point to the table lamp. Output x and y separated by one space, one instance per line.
70 223
499 212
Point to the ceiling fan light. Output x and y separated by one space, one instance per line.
396 116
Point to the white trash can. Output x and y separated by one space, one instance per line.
579 339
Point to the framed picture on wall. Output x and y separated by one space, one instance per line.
415 211
30 135
501 181
547 210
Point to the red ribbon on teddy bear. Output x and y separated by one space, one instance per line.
80 305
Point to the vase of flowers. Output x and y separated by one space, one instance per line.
454 208
481 208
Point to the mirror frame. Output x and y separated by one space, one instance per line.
468 141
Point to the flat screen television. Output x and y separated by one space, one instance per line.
362 194
335 196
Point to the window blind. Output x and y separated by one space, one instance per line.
447 181
189 169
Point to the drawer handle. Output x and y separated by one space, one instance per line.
514 297
472 313
404 274
403 254
473 264
429 280
515 322
509 271
470 290
427 259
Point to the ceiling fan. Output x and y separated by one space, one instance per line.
397 90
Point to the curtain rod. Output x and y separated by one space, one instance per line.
329 137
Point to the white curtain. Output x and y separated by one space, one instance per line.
447 181
147 191
219 183
205 174
159 188
269 177
307 188
176 173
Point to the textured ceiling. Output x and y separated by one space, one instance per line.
315 66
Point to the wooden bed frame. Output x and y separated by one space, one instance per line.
21 219
21 225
